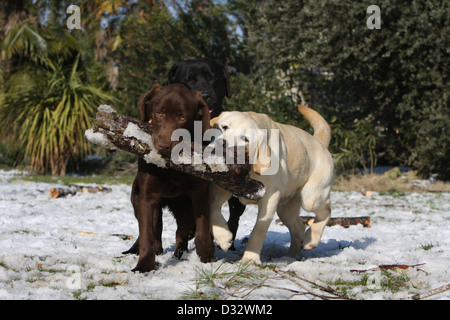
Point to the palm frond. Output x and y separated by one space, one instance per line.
24 40
47 112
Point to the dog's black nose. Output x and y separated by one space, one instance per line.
205 96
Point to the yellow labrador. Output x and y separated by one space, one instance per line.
301 177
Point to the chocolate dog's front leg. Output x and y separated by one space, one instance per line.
203 239
135 200
181 208
135 191
134 249
148 213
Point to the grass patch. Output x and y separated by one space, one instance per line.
220 282
77 294
428 246
347 285
394 282
386 280
48 270
393 192
69 180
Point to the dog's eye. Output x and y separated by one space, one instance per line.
212 78
189 79
182 118
224 127
159 114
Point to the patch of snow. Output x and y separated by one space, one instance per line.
45 254
216 163
106 109
133 131
155 158
258 195
99 139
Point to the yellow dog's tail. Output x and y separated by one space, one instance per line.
321 128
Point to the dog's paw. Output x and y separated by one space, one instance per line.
251 258
223 237
309 242
309 246
145 266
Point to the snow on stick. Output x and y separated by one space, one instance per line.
114 131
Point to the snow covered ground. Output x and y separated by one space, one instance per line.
67 249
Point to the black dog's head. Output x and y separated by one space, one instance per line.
208 76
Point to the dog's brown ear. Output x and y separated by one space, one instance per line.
144 103
203 111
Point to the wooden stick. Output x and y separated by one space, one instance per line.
62 192
388 267
112 130
431 292
294 278
340 221
73 189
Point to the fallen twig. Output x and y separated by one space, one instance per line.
73 189
295 292
339 221
294 278
388 267
431 292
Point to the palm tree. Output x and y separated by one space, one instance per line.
49 97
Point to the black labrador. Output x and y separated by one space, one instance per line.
211 78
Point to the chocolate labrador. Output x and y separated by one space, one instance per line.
167 109
211 78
